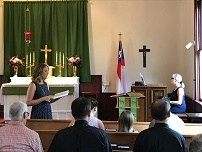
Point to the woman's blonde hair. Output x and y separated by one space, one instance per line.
125 121
36 75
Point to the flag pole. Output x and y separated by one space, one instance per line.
120 36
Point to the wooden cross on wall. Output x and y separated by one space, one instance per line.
144 50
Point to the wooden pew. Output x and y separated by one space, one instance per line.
45 124
46 137
41 124
118 138
128 139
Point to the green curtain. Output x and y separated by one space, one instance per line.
63 26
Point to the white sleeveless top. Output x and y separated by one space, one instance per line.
93 121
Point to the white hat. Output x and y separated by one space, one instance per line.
177 77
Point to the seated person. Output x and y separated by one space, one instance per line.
80 137
174 122
160 138
15 136
177 99
196 143
126 120
93 121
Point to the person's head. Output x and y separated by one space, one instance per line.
18 111
81 108
177 79
94 105
196 143
160 109
40 72
125 121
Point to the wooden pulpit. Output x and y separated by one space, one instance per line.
130 101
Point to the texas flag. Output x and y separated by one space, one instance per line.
121 73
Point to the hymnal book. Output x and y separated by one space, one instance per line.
110 130
61 94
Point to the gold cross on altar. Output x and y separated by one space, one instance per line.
46 50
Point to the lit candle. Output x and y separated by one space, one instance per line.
60 58
30 58
63 59
56 58
33 57
26 59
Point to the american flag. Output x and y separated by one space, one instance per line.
121 73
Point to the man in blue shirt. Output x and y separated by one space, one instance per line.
160 138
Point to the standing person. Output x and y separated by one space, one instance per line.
15 136
38 95
177 99
160 138
81 137
93 121
126 120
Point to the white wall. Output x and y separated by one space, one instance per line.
164 26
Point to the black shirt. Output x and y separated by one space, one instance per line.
80 138
160 138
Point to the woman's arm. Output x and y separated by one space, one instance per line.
101 125
30 94
180 93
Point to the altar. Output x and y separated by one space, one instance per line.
17 88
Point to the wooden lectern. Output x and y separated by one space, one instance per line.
130 101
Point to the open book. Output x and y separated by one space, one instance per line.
129 94
61 94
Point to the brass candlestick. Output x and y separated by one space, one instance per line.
61 64
30 62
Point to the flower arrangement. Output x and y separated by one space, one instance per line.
15 61
74 61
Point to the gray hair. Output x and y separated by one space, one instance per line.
196 143
178 78
17 110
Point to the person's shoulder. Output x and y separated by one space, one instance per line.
31 132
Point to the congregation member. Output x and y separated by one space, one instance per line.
93 121
196 143
81 137
174 122
160 138
177 99
38 95
15 136
125 121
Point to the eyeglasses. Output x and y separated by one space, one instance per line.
27 114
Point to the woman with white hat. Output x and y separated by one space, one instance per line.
177 99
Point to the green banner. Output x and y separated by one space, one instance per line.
121 104
133 107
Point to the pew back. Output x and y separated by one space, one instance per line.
118 138
47 124
42 124
46 137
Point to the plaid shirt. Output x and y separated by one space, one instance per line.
16 137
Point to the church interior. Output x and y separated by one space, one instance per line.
164 27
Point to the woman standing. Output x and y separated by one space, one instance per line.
38 95
177 99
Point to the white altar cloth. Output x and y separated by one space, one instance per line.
60 109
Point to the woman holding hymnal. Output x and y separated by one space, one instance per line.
38 95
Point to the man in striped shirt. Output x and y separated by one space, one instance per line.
15 136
